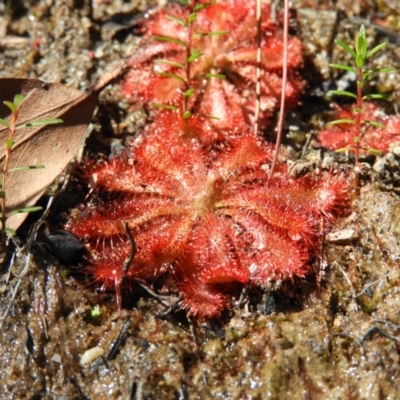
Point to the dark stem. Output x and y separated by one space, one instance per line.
127 264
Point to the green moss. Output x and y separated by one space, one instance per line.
369 304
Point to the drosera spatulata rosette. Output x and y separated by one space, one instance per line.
207 52
204 223
191 207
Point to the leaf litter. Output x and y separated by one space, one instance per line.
48 145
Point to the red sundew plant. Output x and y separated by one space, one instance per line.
204 222
374 139
190 206
207 53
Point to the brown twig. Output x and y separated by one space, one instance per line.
283 87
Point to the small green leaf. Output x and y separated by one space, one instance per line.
376 96
342 121
26 168
2 194
187 115
343 93
170 39
204 5
374 123
344 149
213 117
194 55
367 73
345 67
24 210
178 20
49 121
375 49
189 93
192 17
164 106
220 76
361 43
377 70
213 33
9 143
374 151
199 7
18 99
11 106
186 2
171 75
4 122
346 47
10 232
173 63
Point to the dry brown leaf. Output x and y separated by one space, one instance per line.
53 145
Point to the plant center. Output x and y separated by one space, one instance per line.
205 198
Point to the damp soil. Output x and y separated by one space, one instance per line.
332 336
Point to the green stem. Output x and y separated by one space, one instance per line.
11 133
192 5
358 116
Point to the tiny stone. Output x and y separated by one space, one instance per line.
56 358
90 355
343 235
396 150
379 164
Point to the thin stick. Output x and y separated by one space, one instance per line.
379 330
120 339
283 87
372 284
127 264
128 260
258 73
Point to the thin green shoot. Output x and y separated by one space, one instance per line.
9 143
360 54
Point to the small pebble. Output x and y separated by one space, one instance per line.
344 235
90 355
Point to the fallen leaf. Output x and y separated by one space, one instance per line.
50 145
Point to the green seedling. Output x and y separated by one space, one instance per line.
185 75
12 127
360 54
95 312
